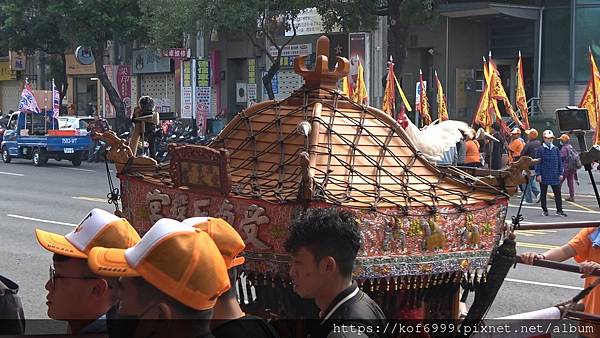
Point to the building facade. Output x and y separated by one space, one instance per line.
553 37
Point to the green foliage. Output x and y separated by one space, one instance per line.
94 22
168 22
360 15
30 25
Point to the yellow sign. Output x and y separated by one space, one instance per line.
76 68
5 73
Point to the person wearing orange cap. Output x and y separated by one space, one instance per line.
515 146
532 191
570 163
75 293
173 276
228 318
472 156
324 244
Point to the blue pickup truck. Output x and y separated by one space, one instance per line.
34 136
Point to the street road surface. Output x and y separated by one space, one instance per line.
58 196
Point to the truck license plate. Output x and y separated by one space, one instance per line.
68 150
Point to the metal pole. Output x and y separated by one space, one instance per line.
572 56
557 266
561 225
447 53
583 316
588 166
539 53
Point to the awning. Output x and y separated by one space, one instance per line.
463 10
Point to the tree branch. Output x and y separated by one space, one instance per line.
266 32
259 46
378 11
291 37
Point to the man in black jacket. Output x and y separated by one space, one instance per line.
324 245
532 193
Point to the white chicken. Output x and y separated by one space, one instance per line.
434 140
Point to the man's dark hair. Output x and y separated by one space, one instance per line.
496 126
232 292
327 232
153 294
146 103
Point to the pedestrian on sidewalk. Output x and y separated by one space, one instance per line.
515 146
549 171
569 160
532 192
472 156
498 148
98 125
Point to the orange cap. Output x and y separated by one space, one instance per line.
227 239
98 228
533 134
181 261
564 138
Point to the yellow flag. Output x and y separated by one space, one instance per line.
498 93
590 99
404 99
441 99
389 95
346 86
359 94
521 101
482 113
424 101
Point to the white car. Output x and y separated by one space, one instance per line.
72 122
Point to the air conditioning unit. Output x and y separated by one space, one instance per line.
479 85
241 92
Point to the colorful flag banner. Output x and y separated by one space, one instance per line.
389 94
28 101
423 102
590 99
483 114
521 101
346 88
498 93
55 100
402 95
441 100
359 93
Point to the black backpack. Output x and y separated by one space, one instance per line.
11 309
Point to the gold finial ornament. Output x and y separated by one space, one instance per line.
321 76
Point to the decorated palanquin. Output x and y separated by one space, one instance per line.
425 231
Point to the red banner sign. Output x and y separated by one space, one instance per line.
124 87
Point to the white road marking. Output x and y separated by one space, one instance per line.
41 220
554 209
11 174
560 286
541 231
91 199
536 245
80 169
